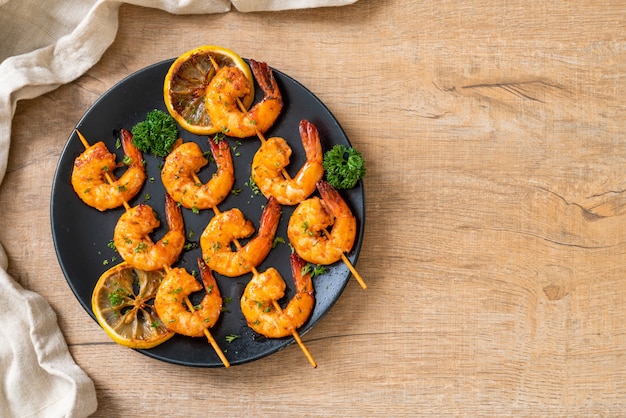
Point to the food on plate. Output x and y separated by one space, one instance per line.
147 298
172 297
231 84
308 223
266 288
185 85
96 163
156 134
344 166
226 228
179 175
121 304
273 156
132 236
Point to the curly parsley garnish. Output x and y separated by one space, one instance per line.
344 166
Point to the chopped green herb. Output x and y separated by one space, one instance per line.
156 134
314 270
118 296
278 240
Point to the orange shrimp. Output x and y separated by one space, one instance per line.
185 161
230 84
257 301
273 156
309 220
226 227
169 301
92 166
133 243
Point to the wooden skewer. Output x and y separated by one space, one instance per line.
207 333
294 333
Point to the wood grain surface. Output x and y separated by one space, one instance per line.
494 244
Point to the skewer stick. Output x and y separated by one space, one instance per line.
207 333
294 333
209 337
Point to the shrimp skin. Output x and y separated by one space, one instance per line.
187 159
132 240
169 301
91 167
273 156
257 301
230 84
312 216
226 227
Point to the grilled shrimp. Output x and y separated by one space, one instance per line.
273 156
309 220
132 240
170 305
226 227
229 84
92 166
257 301
186 160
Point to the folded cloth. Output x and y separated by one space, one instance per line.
38 376
276 5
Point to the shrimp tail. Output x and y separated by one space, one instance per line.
173 214
220 152
333 200
130 149
264 76
310 140
208 279
270 218
303 282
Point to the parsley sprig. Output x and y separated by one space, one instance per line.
156 134
344 166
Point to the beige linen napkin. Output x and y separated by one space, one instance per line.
38 376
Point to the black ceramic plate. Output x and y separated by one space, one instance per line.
81 233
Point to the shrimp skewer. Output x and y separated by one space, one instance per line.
274 88
170 301
312 216
272 157
92 176
182 183
132 240
257 301
175 221
227 227
307 229
224 92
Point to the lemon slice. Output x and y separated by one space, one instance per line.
186 82
122 304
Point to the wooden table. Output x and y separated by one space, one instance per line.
494 244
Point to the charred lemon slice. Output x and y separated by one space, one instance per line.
122 302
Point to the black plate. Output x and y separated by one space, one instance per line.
81 233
